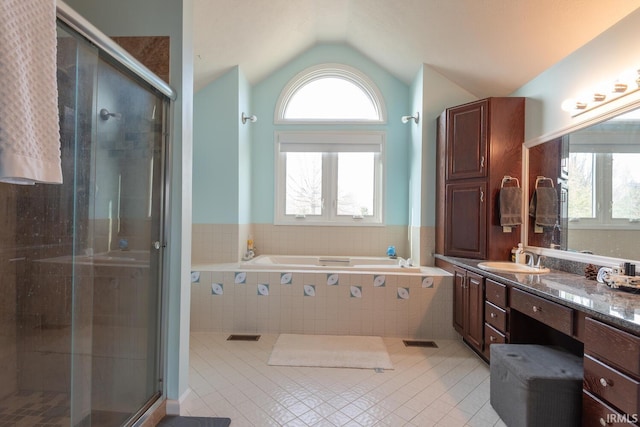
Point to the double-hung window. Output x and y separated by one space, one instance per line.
331 176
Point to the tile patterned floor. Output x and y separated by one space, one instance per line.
444 386
35 409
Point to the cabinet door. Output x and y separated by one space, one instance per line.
459 280
466 220
475 311
467 141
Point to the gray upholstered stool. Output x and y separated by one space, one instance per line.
534 385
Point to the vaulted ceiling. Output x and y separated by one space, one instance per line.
488 47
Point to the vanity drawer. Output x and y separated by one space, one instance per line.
616 347
495 316
555 315
496 293
616 388
492 336
597 413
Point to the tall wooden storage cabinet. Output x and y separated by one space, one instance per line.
478 144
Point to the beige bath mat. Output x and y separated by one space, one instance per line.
330 351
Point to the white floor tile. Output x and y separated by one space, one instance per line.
447 386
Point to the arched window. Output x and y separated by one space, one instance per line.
330 176
330 93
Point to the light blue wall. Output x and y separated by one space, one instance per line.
244 150
222 154
215 150
396 96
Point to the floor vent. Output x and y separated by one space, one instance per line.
243 338
429 344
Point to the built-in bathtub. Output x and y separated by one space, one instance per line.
323 295
329 263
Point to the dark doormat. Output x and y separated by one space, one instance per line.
174 421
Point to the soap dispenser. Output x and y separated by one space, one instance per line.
519 254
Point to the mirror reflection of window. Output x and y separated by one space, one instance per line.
599 190
625 183
605 188
582 174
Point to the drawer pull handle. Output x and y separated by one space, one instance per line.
537 309
603 423
604 382
493 315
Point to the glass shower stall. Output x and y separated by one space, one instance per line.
81 262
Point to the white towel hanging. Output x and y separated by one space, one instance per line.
29 127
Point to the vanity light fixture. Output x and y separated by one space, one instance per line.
625 84
599 97
252 118
619 87
415 118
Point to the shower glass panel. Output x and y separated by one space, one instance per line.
80 262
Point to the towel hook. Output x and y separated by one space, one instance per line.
507 179
543 179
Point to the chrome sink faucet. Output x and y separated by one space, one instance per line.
533 261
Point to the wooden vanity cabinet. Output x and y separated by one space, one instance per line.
496 312
486 312
478 144
548 312
611 387
468 306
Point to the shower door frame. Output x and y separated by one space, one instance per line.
156 400
84 28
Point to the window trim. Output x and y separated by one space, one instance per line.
330 70
331 139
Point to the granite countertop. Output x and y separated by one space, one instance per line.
572 290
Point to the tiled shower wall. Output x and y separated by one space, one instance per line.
398 305
8 349
221 243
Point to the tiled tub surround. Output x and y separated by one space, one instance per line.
228 298
219 243
573 290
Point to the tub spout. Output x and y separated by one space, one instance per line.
248 255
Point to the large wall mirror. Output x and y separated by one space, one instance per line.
595 175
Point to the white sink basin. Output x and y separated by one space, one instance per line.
511 267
